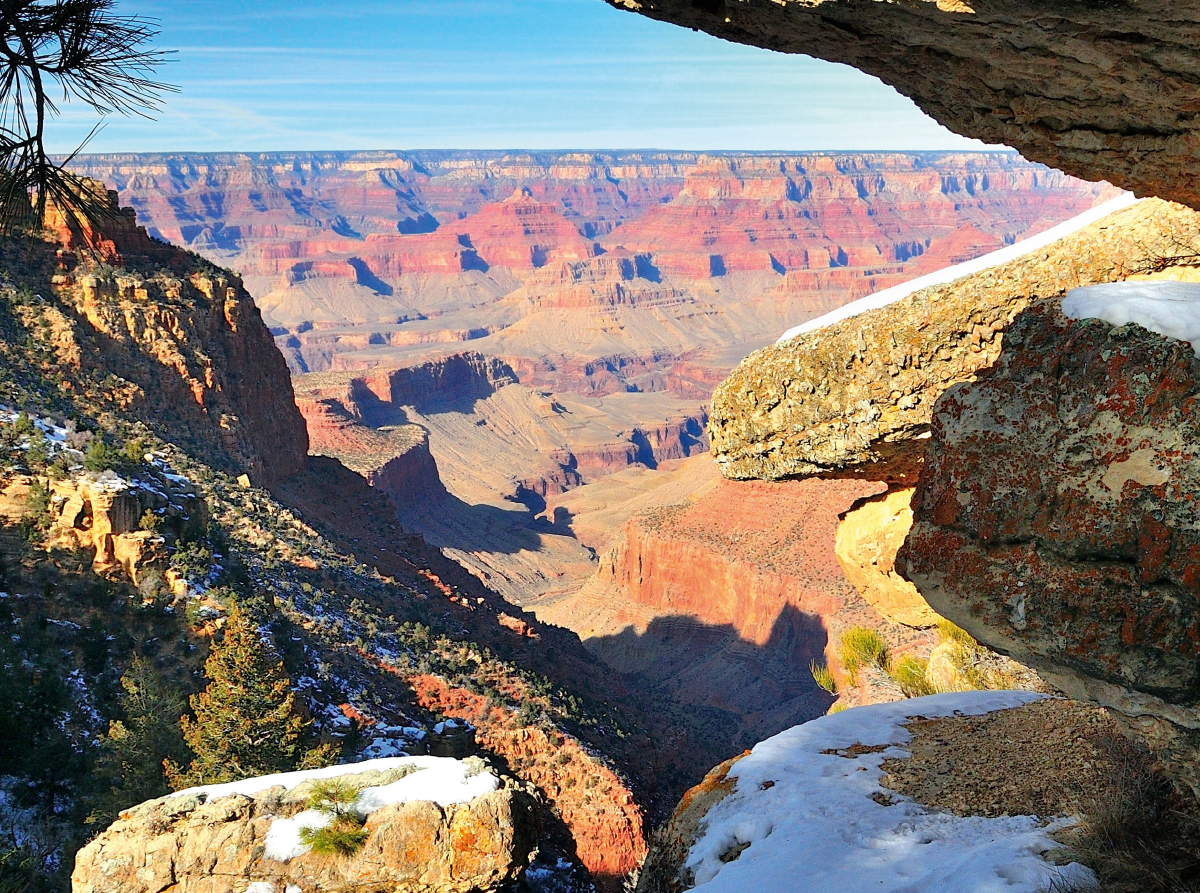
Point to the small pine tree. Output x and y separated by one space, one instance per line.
246 722
134 751
100 456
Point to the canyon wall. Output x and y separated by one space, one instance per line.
726 600
1102 91
195 361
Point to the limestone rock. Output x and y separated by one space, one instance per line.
1102 91
856 397
868 538
192 845
102 512
1058 515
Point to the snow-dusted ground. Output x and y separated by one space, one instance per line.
442 780
811 824
1168 308
969 268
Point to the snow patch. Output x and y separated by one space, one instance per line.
442 780
969 268
797 812
1168 308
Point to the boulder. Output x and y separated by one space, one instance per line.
868 538
217 841
1057 518
856 397
1104 91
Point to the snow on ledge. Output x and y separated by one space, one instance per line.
1168 308
442 780
968 268
807 814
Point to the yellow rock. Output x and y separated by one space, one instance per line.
867 541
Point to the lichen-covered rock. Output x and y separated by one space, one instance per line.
1104 91
856 397
190 844
868 538
1058 514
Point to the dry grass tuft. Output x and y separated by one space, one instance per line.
1140 833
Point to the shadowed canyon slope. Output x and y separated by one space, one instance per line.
1105 91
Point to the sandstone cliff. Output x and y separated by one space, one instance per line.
196 361
1102 92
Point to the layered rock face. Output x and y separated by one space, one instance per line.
187 339
853 397
1056 516
192 843
577 255
1102 92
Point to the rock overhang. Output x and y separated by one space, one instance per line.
1103 91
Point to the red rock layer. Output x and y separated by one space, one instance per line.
592 800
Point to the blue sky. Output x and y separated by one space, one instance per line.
258 75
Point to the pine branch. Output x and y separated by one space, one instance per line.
59 52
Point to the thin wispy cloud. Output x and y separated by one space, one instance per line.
481 74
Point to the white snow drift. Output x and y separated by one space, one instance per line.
969 268
1168 308
809 815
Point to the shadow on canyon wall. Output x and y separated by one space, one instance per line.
749 690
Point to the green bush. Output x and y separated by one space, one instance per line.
861 647
100 456
24 424
952 632
823 676
909 673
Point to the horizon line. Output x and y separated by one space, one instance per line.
987 150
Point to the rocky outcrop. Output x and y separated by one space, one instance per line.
1104 92
198 363
856 397
1056 515
189 842
868 538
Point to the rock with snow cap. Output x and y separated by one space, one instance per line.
434 825
809 809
